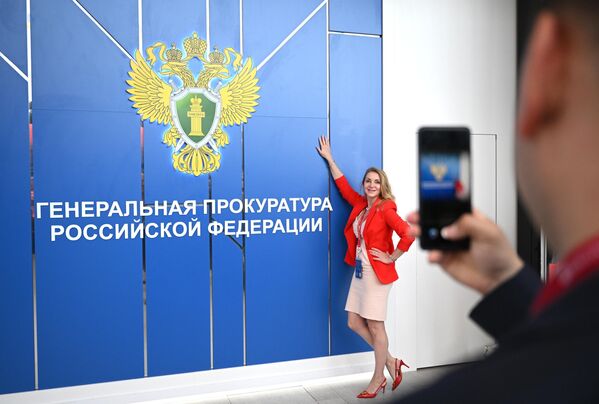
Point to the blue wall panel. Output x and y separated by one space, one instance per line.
178 298
89 293
287 299
83 71
266 23
86 147
287 275
13 32
170 22
356 124
178 278
227 302
293 82
359 16
227 255
118 17
16 296
227 260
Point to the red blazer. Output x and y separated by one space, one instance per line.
378 230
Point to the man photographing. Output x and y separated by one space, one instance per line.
548 336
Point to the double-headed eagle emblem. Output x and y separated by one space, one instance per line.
195 108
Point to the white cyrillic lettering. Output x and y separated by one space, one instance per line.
130 208
215 228
209 206
164 230
77 230
160 206
267 225
294 202
229 227
305 204
291 229
190 208
175 208
115 209
137 229
56 210
272 204
38 209
279 226
121 231
68 209
283 206
255 226
103 235
101 207
304 225
193 227
249 208
87 209
242 229
86 234
316 202
260 205
221 204
183 229
150 226
239 205
56 230
146 210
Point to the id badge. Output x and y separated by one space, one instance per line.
358 268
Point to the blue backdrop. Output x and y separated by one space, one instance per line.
119 309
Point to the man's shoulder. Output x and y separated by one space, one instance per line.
551 359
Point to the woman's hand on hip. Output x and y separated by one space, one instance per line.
382 256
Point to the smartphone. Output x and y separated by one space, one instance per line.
444 183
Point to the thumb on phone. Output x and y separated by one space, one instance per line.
468 225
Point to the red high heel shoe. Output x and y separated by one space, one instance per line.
366 394
398 375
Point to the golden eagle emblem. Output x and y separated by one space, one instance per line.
195 108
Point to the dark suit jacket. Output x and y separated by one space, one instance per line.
553 358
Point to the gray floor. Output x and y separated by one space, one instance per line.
337 393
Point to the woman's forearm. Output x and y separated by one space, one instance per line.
396 254
335 171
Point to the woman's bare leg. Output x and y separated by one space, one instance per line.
359 325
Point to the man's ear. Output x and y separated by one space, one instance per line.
543 75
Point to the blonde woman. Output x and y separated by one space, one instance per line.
371 253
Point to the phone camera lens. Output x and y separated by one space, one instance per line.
433 233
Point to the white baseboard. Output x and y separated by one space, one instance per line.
205 384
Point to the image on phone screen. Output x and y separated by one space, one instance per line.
444 183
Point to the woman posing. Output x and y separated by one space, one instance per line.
371 252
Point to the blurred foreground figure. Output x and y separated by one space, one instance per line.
548 336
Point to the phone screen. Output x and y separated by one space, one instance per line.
444 183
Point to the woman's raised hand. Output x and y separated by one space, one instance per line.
325 148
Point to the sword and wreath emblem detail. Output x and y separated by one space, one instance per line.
195 108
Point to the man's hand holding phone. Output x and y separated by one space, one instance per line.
489 262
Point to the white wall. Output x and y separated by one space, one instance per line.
446 62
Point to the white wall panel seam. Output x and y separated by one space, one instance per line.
14 67
292 34
101 27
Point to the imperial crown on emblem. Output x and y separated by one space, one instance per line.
195 108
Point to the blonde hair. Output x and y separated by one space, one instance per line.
386 193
